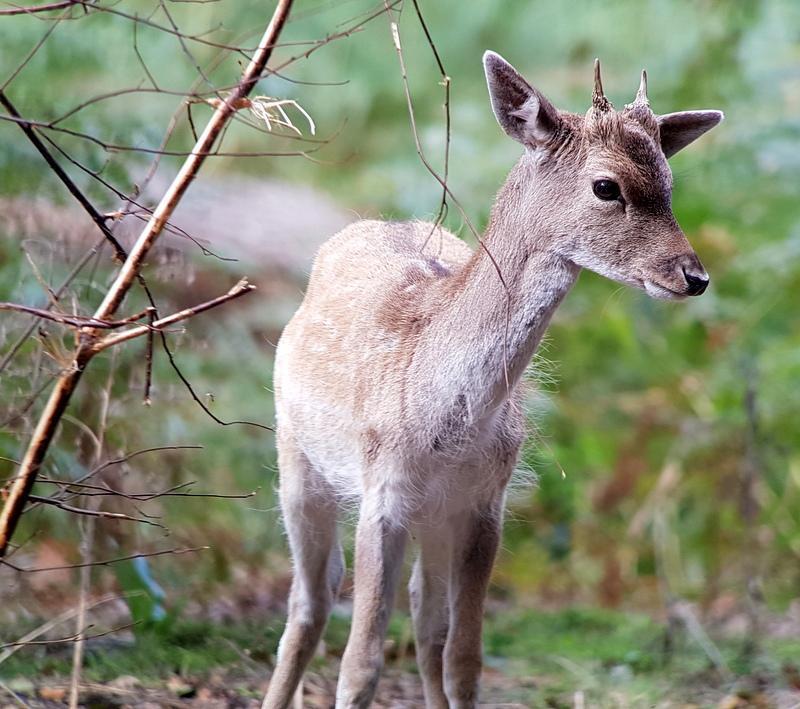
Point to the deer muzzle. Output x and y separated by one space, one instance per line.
694 274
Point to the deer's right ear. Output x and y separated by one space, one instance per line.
677 130
522 112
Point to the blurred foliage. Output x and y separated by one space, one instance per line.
644 438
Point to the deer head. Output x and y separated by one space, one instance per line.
600 186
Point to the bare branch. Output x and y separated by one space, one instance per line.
32 53
240 289
79 266
97 218
446 84
58 620
69 638
74 320
148 365
129 456
105 562
89 5
190 154
47 7
91 513
117 461
197 399
174 491
131 201
87 544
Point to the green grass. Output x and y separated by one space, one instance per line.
544 657
187 648
579 634
608 654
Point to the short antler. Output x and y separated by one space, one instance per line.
640 108
641 95
600 103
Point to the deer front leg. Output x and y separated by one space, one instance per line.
473 557
428 594
380 542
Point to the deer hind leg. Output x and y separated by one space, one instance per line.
474 551
380 542
309 514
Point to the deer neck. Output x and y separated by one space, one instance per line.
492 326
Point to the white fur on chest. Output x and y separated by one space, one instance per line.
410 486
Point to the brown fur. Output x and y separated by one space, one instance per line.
398 382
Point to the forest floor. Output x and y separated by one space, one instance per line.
568 658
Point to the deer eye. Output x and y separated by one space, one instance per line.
606 190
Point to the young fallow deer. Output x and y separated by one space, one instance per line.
397 383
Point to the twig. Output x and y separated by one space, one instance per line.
79 638
78 321
58 292
197 399
106 562
189 154
141 58
89 512
135 454
69 638
30 401
240 289
186 49
87 545
116 461
97 218
447 132
89 5
34 50
443 182
102 491
131 201
39 8
148 366
52 623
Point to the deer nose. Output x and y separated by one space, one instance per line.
696 277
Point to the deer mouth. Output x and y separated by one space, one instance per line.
661 292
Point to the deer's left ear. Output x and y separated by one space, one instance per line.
522 111
679 129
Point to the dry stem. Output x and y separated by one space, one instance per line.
47 7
